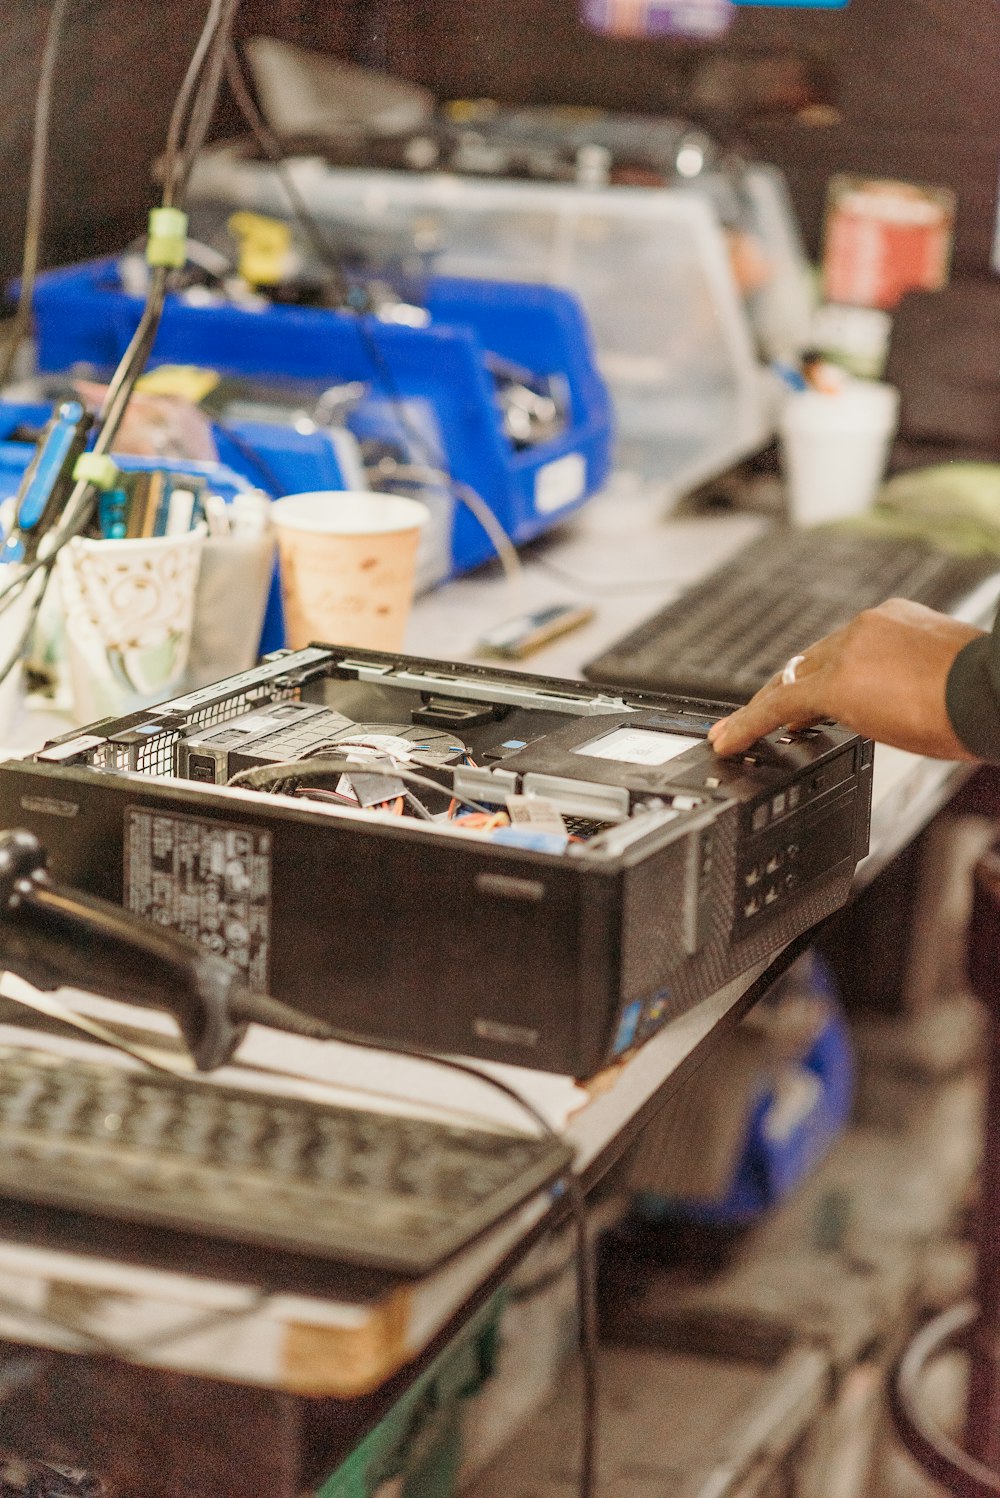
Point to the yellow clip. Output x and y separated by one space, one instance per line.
189 381
99 469
265 244
166 240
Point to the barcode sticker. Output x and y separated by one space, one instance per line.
536 812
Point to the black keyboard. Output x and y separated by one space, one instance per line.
729 634
336 1183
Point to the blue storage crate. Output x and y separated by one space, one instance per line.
82 316
780 1151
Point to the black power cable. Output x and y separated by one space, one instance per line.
188 125
354 297
270 144
35 214
263 1010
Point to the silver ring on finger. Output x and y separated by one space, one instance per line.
789 673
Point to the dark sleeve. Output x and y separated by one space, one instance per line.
972 695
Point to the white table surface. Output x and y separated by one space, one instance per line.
625 557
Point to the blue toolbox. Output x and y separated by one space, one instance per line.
447 378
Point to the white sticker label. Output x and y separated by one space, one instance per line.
537 813
80 745
797 1095
620 368
560 483
637 746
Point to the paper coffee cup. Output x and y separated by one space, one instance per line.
834 449
347 566
129 609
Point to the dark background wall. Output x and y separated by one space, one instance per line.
913 85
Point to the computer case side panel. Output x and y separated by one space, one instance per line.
476 950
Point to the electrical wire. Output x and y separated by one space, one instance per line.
417 807
35 213
177 159
308 771
588 587
206 98
411 473
194 105
266 137
44 1003
265 473
263 1010
356 298
188 122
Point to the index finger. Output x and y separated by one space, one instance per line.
774 706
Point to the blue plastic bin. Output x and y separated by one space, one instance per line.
82 316
775 1158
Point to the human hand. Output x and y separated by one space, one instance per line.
883 674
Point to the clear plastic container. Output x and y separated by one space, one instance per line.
650 266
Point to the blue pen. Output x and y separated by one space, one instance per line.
47 481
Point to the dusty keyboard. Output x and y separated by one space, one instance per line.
338 1183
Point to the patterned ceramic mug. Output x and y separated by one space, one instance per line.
129 609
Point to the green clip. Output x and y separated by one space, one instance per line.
166 242
99 469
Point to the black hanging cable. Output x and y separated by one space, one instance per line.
35 213
189 121
266 137
175 166
354 297
262 1009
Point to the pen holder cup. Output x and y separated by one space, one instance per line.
129 608
14 639
348 563
834 449
230 602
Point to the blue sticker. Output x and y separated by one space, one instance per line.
514 744
525 836
627 1027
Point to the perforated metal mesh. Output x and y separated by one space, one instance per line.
652 923
154 755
